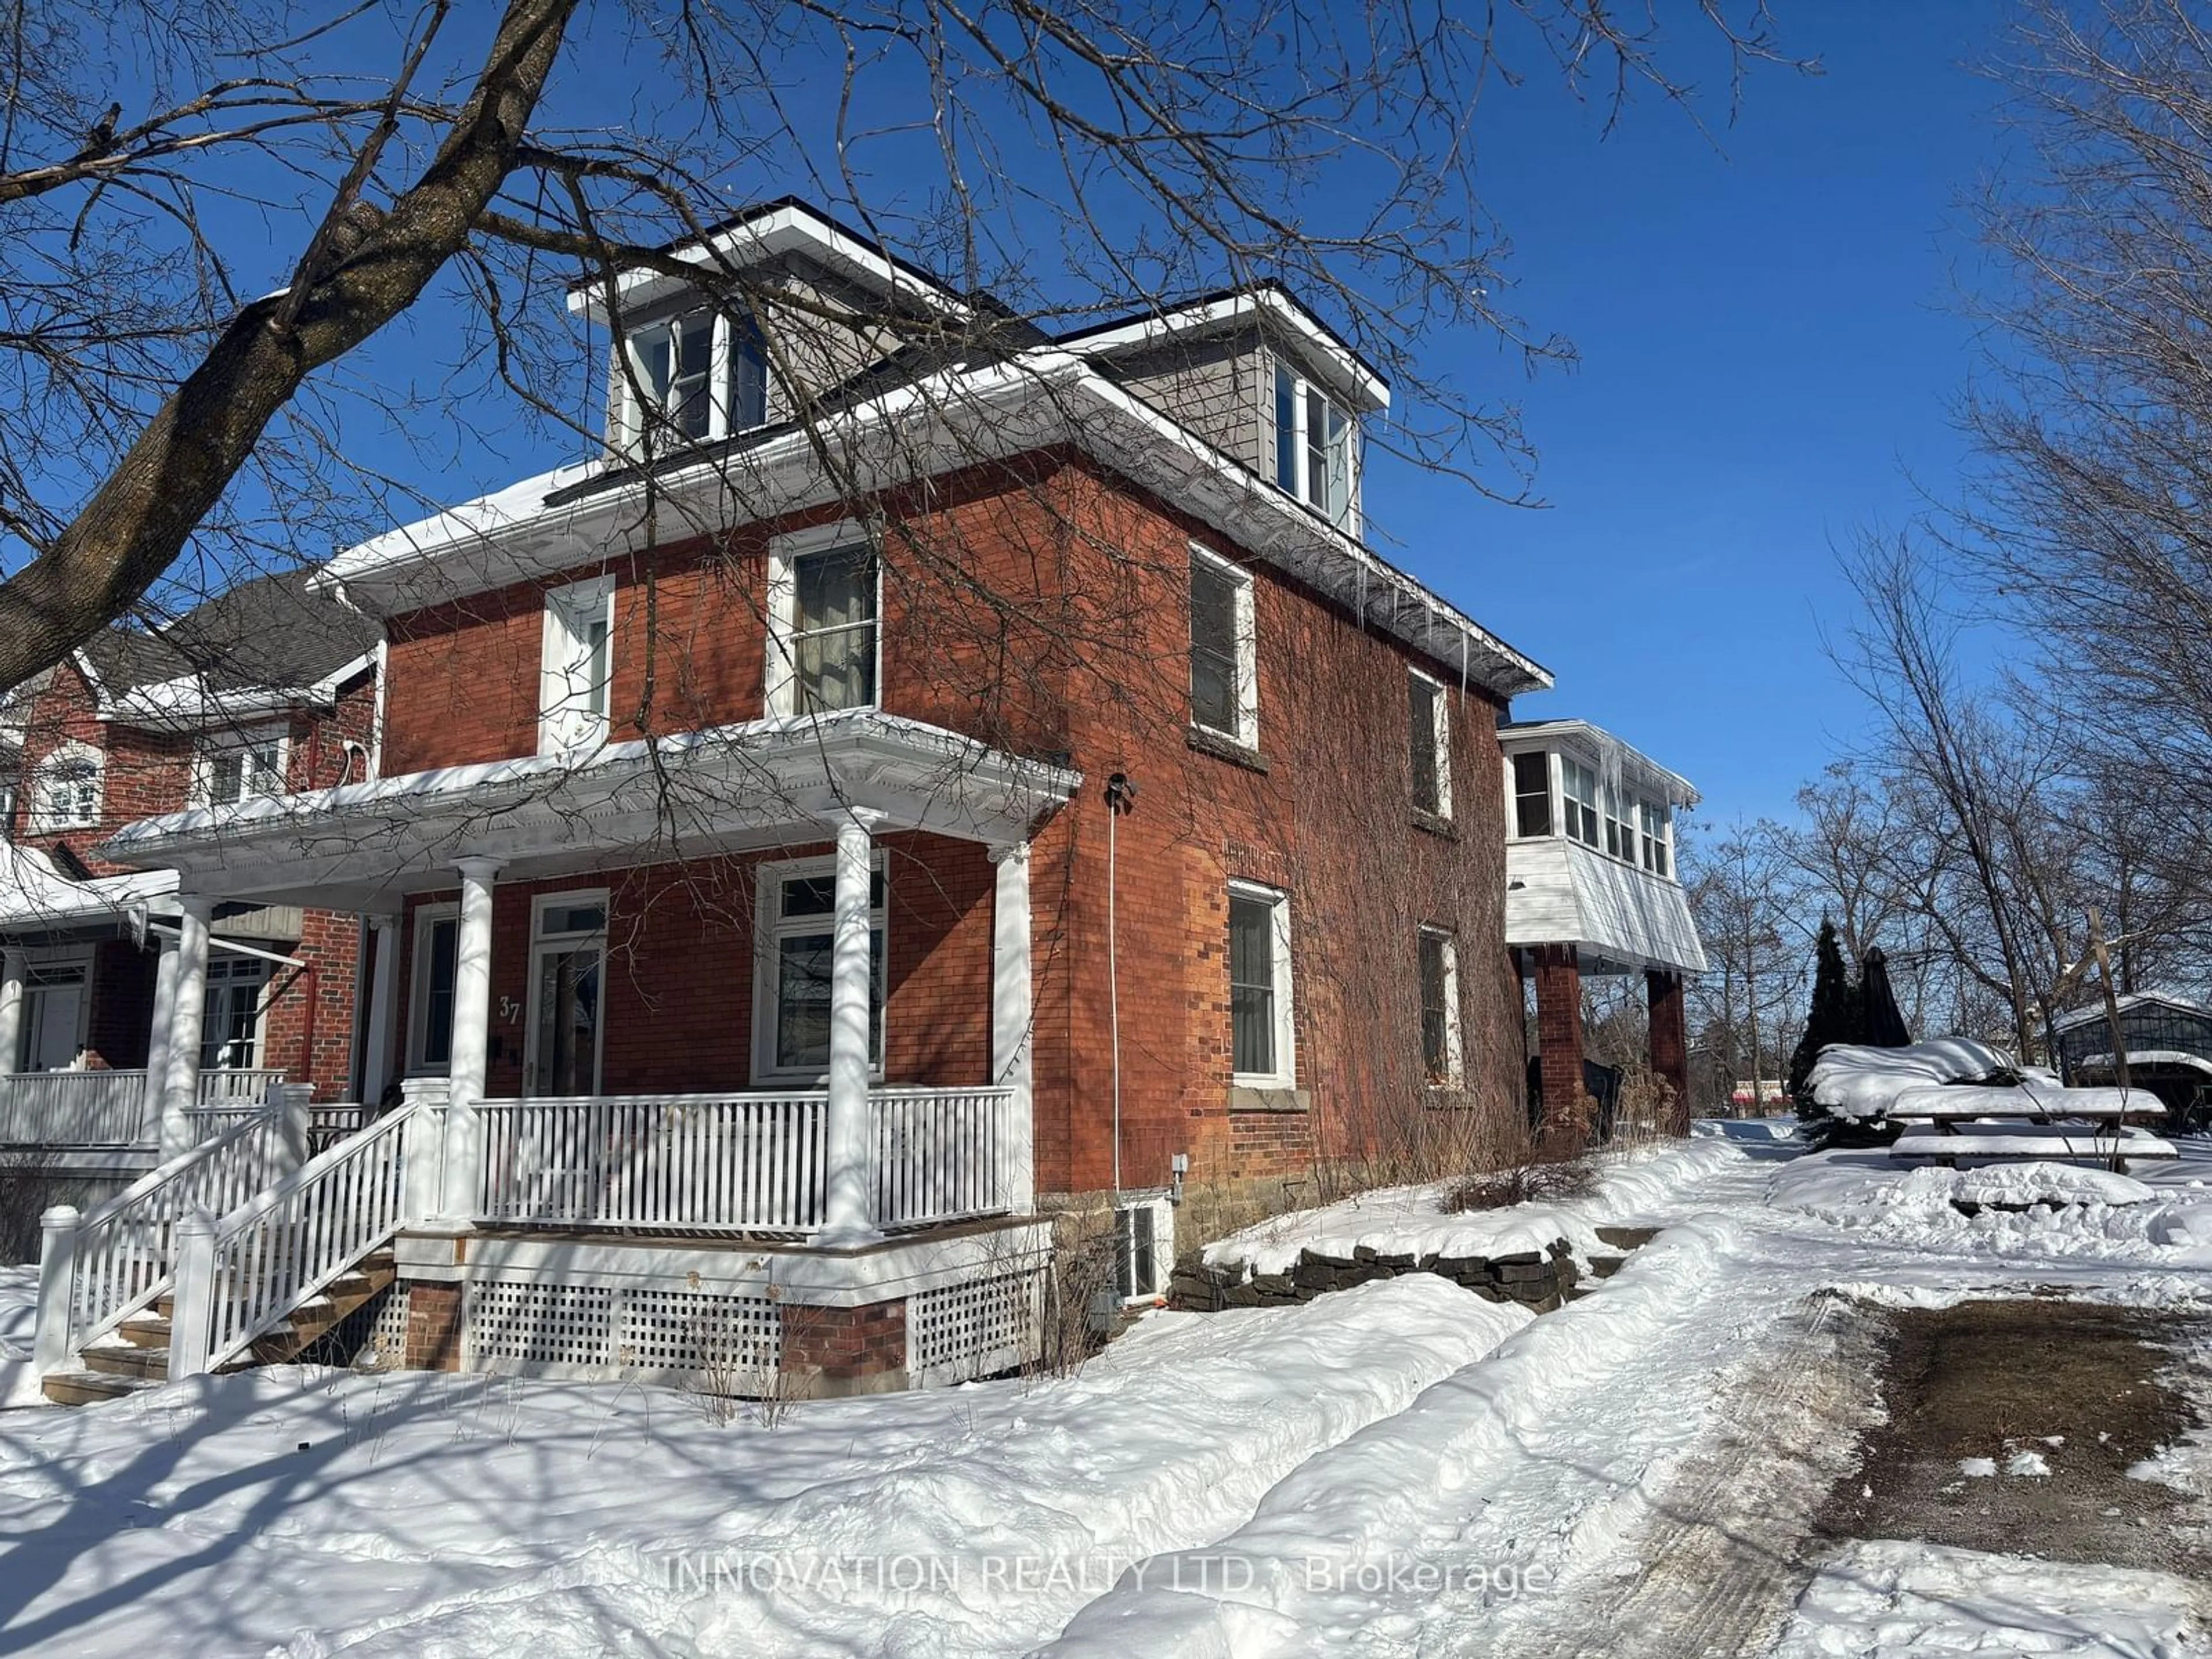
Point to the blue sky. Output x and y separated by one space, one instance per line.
1770 340
1770 343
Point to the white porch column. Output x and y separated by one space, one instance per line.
180 1089
383 989
157 1036
471 1040
13 967
1012 1011
848 1204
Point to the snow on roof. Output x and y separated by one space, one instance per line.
34 894
1613 756
2090 1015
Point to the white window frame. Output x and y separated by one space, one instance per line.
216 746
1246 631
565 718
1552 797
230 967
427 916
1658 854
1440 737
769 926
71 757
1284 1076
629 399
1572 806
784 553
1297 480
1617 810
74 959
540 940
1455 1073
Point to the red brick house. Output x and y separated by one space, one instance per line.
920 776
266 689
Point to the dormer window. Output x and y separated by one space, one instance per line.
697 376
1313 447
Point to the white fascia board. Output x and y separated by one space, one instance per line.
1337 367
188 703
34 894
1054 393
786 230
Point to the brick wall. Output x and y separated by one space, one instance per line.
1560 1044
1045 607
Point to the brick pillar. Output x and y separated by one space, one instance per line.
433 1326
828 1353
1565 1127
1670 1046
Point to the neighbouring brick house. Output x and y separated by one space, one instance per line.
267 689
897 789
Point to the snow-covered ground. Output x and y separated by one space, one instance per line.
1402 1468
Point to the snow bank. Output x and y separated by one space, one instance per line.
1631 1186
1308 1559
2086 1212
1896 1598
432 1515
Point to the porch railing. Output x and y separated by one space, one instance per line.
108 1108
739 1161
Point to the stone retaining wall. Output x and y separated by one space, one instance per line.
1539 1279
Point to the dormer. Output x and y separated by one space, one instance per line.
789 309
1260 378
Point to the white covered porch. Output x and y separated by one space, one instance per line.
842 1159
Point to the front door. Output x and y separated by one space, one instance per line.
53 1015
568 972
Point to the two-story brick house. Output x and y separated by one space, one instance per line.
922 773
267 689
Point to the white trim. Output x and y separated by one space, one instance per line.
1454 1075
540 942
418 988
791 228
243 740
74 754
1342 372
44 958
770 927
260 968
780 678
566 720
1300 490
952 419
1245 625
1440 735
1284 1075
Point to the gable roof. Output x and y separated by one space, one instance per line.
2095 1011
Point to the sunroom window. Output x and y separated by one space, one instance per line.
1532 794
1620 826
1314 458
1578 785
1655 838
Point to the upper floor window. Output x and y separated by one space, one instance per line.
1578 785
1619 823
1532 794
577 666
65 794
1440 1039
1313 446
700 375
235 766
823 637
1432 741
1224 680
1655 837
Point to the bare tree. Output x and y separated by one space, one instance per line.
1750 1000
1157 148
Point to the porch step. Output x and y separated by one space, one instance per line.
114 1369
124 1359
90 1388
